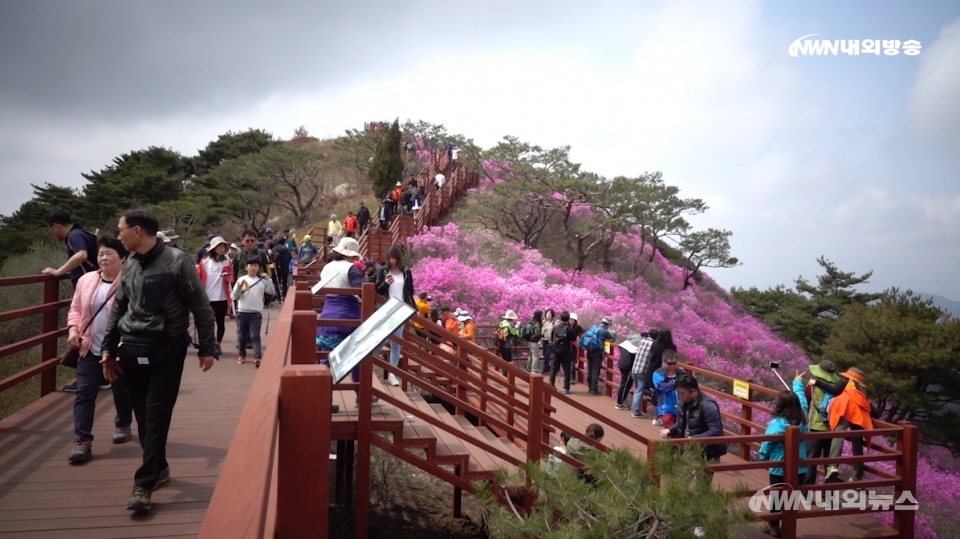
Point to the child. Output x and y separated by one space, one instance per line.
554 462
249 292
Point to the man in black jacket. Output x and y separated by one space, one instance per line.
147 339
563 338
363 218
699 417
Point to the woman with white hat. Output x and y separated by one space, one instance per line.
507 335
342 273
216 272
468 328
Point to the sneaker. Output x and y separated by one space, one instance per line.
121 435
81 452
638 415
832 472
241 360
164 478
107 385
620 407
356 401
257 363
566 391
139 500
657 423
392 380
70 388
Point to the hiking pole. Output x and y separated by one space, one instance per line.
774 365
269 312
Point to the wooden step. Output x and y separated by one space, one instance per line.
441 446
483 464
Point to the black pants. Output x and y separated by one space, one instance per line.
594 360
362 226
154 384
220 315
283 278
776 479
560 360
816 449
626 382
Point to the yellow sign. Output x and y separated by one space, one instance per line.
741 389
606 348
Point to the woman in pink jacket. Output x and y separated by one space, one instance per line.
87 323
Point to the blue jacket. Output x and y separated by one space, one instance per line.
778 425
666 390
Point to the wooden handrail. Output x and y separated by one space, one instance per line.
50 332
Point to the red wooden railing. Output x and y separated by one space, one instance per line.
50 331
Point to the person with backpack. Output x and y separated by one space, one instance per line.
790 409
507 335
562 338
549 320
817 413
592 341
530 333
81 246
665 383
281 261
639 372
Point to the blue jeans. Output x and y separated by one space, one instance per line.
395 348
89 378
638 388
547 353
250 332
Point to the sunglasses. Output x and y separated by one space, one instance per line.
671 363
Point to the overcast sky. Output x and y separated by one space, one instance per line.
852 157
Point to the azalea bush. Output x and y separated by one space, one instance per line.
477 271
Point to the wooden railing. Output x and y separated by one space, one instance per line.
50 331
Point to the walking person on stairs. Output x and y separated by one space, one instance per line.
395 281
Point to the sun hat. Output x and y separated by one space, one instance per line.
606 321
854 373
347 247
509 315
825 370
216 241
161 237
573 316
172 236
399 184
464 316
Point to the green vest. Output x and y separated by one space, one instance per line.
814 419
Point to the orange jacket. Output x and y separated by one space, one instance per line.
851 405
469 331
451 324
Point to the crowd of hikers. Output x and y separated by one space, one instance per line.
126 286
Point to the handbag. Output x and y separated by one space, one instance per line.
71 356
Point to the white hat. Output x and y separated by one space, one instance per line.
234 246
573 316
509 315
399 184
215 242
348 247
464 316
172 236
161 237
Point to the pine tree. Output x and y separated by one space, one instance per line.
387 167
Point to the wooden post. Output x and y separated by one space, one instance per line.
303 300
791 470
654 477
303 338
48 350
364 424
746 413
303 480
462 387
535 422
908 445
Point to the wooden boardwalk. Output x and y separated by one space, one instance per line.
43 496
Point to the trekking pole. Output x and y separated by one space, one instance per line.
269 312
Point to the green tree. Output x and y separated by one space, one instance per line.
624 501
706 249
387 166
19 230
137 179
293 175
229 146
910 352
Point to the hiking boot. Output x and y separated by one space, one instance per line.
139 500
70 388
121 435
657 422
638 415
163 478
81 452
833 472
241 360
392 380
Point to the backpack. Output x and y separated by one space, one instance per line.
529 332
502 337
589 340
824 407
559 338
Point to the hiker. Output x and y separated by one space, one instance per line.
342 274
549 320
439 180
507 335
575 344
789 409
849 410
579 449
592 341
363 218
87 323
531 333
396 196
249 292
249 251
334 229
350 225
468 328
665 384
146 339
267 235
562 339
449 318
639 372
663 341
699 417
81 246
308 251
395 281
406 201
817 419
216 272
172 238
554 463
202 253
627 355
423 309
281 264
